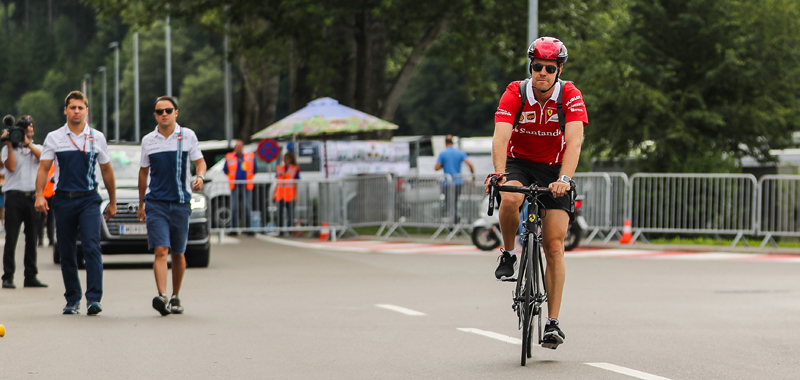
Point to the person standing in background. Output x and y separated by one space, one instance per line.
286 189
21 160
2 197
450 160
240 167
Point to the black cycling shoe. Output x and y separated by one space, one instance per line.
175 305
160 303
553 336
507 267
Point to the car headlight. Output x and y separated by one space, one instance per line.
198 201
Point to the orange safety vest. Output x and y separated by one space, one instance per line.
248 164
48 187
286 188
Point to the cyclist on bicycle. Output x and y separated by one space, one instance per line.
535 149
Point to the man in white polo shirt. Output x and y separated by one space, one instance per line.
165 190
21 160
76 148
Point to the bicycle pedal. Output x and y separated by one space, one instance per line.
506 279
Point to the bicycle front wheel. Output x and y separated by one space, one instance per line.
526 305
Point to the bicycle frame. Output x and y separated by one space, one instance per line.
530 293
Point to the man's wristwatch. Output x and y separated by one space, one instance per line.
565 179
201 177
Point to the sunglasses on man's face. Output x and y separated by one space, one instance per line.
160 112
537 67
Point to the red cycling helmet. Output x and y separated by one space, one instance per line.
548 48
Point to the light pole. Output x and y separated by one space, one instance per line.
168 43
136 115
102 69
228 99
533 20
115 45
87 78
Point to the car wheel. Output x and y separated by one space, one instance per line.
198 257
220 212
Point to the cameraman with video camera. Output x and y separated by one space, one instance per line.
21 159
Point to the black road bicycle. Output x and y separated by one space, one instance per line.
530 293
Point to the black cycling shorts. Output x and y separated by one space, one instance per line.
543 175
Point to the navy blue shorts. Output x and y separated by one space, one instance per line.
167 225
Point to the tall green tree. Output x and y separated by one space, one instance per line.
701 81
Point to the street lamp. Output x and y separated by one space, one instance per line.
136 114
168 44
115 45
102 69
87 79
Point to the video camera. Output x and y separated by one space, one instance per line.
16 133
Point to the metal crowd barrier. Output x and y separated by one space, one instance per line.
338 204
694 203
733 204
596 210
778 207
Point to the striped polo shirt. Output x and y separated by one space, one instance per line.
168 160
76 157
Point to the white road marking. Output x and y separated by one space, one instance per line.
400 309
493 335
627 371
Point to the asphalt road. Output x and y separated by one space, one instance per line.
269 311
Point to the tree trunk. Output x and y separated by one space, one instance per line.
8 20
371 54
300 90
344 82
259 96
409 68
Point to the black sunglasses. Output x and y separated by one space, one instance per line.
537 67
159 112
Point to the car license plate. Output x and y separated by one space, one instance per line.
133 229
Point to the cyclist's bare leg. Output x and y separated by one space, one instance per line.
554 228
509 215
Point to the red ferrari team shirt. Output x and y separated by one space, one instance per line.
538 137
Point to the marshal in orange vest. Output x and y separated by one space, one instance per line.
286 188
48 187
248 165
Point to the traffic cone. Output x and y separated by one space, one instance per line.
627 233
297 231
324 233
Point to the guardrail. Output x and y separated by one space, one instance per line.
603 193
734 204
778 207
694 203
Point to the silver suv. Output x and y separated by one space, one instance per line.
123 233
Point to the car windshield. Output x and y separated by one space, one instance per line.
125 162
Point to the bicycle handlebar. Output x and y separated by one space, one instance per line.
533 190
